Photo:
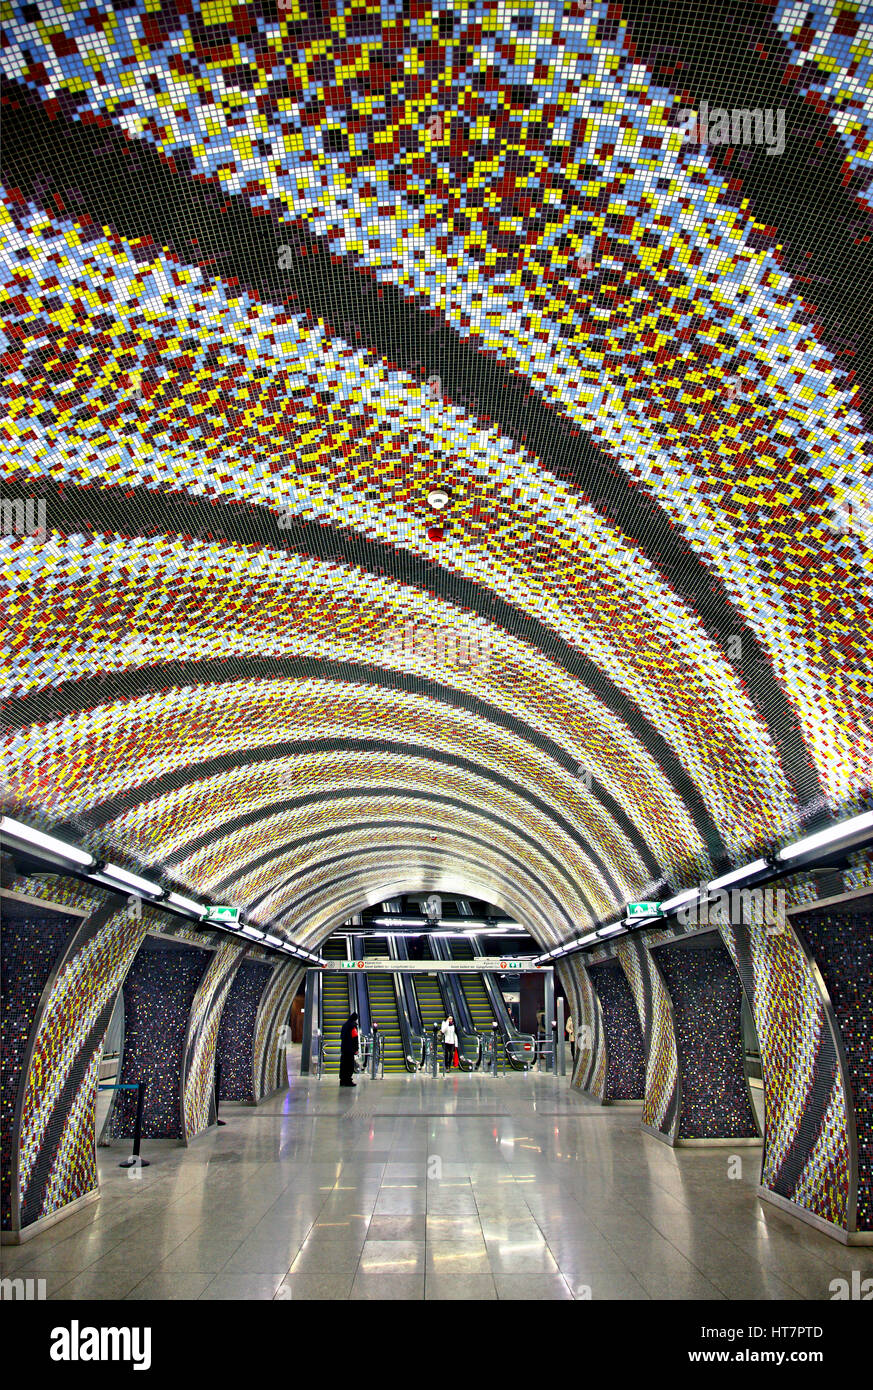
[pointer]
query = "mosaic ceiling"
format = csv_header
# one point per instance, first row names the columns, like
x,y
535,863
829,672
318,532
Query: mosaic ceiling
x,y
273,275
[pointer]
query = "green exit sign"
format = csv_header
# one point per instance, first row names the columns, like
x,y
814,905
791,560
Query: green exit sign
x,y
643,909
224,916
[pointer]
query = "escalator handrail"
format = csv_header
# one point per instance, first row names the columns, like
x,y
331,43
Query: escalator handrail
x,y
419,1041
463,1061
520,1040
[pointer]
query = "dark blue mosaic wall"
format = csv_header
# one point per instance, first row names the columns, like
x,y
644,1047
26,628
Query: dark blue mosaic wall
x,y
707,1013
158,994
236,1034
29,948
842,943
626,1054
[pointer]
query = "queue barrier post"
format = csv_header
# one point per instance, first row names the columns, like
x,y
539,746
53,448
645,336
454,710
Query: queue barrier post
x,y
139,1086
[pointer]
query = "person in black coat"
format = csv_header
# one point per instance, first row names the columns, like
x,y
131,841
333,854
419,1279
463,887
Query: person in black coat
x,y
348,1050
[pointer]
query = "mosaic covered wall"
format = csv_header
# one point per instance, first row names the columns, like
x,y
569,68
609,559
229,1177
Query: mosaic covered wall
x,y
589,1071
661,1100
841,941
56,1138
159,993
29,949
270,1067
235,1049
806,1145
198,1067
625,1050
706,999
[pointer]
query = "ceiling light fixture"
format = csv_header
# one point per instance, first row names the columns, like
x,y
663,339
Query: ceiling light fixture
x,y
832,836
756,867
28,836
688,895
185,904
129,880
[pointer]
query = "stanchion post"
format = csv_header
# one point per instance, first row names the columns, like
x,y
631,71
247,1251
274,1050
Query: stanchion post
x,y
135,1161
562,1059
217,1090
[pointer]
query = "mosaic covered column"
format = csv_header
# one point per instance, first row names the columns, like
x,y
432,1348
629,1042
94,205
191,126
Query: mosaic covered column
x,y
159,993
810,1162
840,940
661,1100
198,1072
65,978
270,1070
624,1075
589,1071
706,1007
235,1050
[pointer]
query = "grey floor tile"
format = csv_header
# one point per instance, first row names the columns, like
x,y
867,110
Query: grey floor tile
x,y
327,1286
397,1228
459,1288
392,1257
110,1284
233,1287
461,1256
525,1287
521,1258
384,1287
164,1285
333,1257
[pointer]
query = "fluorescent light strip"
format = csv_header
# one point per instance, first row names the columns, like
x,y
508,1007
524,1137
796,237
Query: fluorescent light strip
x,y
832,835
128,880
680,899
39,840
737,874
186,904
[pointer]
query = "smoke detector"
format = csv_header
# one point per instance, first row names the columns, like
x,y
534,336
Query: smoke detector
x,y
438,498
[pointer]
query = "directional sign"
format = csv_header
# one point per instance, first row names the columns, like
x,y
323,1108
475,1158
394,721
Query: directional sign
x,y
643,910
435,967
224,915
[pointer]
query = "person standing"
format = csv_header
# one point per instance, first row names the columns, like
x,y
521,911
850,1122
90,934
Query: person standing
x,y
348,1050
450,1041
570,1030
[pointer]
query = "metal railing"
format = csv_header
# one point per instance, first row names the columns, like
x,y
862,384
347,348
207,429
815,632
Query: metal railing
x,y
372,1055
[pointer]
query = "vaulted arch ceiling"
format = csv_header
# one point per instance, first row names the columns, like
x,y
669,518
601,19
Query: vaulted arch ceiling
x,y
273,275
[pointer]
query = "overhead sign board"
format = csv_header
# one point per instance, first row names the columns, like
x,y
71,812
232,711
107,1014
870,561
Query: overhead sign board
x,y
643,910
497,964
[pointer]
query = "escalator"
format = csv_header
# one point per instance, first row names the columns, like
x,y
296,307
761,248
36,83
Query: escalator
x,y
383,1007
431,1005
485,1003
334,1003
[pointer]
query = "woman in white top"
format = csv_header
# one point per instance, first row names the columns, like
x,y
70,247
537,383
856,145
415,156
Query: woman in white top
x,y
450,1041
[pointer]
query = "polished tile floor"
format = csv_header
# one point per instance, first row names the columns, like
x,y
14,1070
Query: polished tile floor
x,y
466,1187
